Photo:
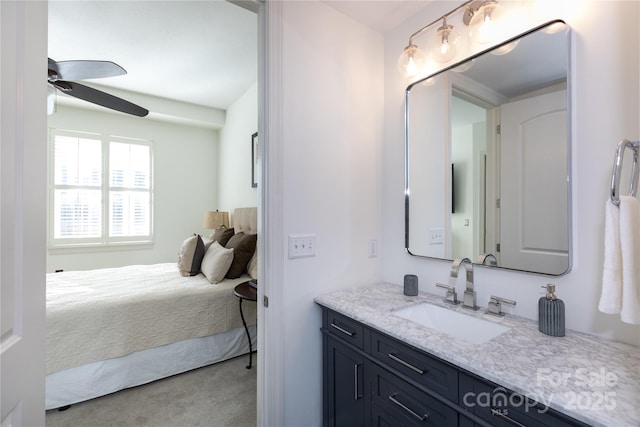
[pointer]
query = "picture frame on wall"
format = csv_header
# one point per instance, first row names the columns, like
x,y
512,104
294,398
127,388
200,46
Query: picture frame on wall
x,y
254,160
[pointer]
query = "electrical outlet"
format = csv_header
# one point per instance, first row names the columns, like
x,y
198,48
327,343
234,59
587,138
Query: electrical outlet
x,y
436,236
302,245
372,248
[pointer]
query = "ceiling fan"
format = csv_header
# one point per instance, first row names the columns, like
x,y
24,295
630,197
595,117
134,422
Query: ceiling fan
x,y
60,74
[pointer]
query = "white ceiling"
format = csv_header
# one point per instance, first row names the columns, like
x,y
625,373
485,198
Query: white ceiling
x,y
381,15
200,52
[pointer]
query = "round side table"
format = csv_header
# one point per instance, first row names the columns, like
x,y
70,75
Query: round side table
x,y
247,291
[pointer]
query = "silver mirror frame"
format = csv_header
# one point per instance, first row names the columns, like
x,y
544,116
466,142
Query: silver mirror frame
x,y
407,187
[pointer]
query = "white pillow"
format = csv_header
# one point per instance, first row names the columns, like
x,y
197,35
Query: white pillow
x,y
252,267
216,262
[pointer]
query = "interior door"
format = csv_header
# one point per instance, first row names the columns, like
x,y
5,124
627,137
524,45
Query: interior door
x,y
22,216
533,158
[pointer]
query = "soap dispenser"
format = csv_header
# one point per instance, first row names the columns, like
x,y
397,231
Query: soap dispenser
x,y
551,313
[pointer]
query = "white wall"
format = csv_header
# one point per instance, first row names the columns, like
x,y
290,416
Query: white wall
x,y
234,153
185,180
332,112
605,109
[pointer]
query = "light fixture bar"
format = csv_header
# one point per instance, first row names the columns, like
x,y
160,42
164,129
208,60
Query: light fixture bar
x,y
446,15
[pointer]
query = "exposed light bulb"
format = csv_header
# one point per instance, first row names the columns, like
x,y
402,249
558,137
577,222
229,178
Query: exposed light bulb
x,y
464,66
554,28
485,26
444,46
506,48
430,81
411,61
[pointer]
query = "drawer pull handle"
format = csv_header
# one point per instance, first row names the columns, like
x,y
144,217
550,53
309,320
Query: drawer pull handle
x,y
414,414
498,413
356,395
402,362
344,331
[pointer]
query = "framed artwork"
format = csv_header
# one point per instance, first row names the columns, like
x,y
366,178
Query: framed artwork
x,y
254,159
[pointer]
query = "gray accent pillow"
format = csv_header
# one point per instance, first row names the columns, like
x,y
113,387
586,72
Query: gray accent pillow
x,y
244,245
223,234
190,255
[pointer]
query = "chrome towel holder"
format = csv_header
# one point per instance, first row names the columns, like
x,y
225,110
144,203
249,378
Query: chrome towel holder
x,y
634,146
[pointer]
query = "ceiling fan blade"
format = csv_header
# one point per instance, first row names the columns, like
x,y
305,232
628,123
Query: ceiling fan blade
x,y
99,97
83,70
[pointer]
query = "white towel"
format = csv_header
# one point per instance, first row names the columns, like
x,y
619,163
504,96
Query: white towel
x,y
630,250
611,295
621,271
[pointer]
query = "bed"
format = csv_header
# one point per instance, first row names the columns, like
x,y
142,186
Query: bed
x,y
114,328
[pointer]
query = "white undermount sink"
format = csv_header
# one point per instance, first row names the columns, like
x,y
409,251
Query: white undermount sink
x,y
453,323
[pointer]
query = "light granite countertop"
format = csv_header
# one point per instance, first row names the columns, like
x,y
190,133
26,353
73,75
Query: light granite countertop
x,y
586,377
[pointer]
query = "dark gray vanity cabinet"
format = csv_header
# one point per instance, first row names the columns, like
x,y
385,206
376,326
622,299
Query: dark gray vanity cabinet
x,y
343,371
344,385
372,379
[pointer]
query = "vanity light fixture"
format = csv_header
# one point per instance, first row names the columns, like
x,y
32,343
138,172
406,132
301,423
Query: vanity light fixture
x,y
412,61
485,24
445,44
483,19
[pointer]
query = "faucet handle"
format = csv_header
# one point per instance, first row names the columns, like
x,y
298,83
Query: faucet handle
x,y
452,296
495,307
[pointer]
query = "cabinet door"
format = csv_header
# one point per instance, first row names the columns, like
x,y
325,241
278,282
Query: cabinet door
x,y
344,388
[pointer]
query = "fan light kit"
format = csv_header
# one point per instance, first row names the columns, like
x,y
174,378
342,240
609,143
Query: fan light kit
x,y
61,73
484,19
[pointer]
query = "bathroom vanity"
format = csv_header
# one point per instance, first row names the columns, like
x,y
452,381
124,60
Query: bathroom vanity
x,y
383,369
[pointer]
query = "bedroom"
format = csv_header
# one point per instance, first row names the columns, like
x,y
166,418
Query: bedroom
x,y
199,133
344,182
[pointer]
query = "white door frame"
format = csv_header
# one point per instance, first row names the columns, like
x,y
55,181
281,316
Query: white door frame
x,y
271,342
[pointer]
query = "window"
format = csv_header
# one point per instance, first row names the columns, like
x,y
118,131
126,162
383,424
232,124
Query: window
x,y
101,190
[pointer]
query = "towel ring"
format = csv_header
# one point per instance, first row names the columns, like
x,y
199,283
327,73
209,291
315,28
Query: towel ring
x,y
617,170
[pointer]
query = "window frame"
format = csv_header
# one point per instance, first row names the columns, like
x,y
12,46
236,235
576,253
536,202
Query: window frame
x,y
104,240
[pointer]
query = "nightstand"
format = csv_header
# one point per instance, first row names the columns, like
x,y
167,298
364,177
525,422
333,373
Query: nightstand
x,y
247,291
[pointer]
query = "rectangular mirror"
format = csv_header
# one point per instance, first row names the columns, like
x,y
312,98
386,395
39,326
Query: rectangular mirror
x,y
487,157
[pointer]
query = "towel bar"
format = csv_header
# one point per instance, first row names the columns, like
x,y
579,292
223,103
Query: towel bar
x,y
617,170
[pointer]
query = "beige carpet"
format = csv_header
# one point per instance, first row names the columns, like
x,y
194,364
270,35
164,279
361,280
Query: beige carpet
x,y
221,395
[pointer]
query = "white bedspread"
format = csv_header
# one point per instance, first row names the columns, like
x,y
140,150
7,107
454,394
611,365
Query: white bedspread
x,y
106,313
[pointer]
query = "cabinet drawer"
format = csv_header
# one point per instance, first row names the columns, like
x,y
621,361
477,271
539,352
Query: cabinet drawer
x,y
505,408
345,328
394,402
424,369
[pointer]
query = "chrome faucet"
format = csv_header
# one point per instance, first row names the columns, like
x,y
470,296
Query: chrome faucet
x,y
469,298
482,259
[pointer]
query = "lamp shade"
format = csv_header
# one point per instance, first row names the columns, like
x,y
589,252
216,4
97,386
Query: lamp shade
x,y
215,219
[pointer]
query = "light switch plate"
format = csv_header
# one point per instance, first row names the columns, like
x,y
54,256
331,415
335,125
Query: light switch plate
x,y
302,245
436,236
